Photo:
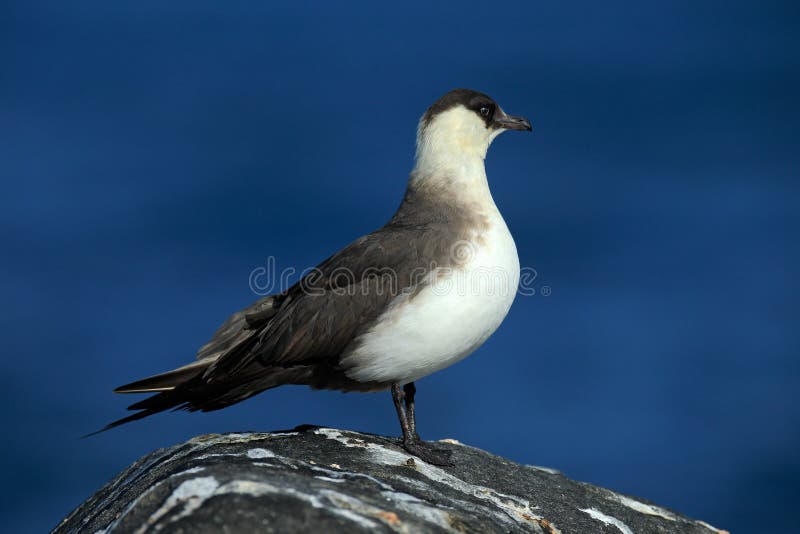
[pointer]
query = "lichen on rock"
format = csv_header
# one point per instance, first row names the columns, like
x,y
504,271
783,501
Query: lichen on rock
x,y
329,480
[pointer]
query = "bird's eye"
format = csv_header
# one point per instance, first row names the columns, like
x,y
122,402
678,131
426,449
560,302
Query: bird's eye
x,y
484,111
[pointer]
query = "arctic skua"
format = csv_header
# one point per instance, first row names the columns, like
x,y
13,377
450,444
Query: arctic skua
x,y
415,296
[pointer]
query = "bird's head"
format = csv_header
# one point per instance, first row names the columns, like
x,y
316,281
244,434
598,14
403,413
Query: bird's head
x,y
462,123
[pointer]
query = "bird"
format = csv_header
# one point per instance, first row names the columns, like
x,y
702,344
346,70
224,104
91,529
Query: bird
x,y
411,298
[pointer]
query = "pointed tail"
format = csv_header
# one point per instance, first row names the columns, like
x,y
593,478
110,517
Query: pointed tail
x,y
187,388
166,385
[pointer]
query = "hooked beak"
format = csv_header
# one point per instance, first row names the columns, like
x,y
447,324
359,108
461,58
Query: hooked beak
x,y
510,122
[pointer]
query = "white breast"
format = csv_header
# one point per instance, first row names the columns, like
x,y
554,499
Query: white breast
x,y
455,312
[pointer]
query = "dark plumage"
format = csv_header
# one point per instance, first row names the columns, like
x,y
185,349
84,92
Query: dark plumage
x,y
472,100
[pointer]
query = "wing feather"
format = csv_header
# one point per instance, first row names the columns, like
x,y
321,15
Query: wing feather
x,y
317,318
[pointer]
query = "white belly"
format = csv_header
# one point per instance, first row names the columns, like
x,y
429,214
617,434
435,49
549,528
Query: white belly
x,y
447,320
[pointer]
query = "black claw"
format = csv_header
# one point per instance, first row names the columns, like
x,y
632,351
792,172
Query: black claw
x,y
428,453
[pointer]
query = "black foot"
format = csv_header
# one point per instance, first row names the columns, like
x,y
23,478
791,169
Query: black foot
x,y
428,453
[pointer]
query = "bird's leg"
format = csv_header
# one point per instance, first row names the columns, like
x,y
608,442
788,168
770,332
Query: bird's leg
x,y
410,390
411,442
398,396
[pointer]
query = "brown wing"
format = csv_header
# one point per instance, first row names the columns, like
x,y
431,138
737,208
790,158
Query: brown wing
x,y
297,337
316,319
238,327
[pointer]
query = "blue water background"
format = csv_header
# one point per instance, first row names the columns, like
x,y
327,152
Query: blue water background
x,y
153,154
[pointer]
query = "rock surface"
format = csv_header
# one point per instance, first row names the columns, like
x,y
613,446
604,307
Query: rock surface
x,y
327,480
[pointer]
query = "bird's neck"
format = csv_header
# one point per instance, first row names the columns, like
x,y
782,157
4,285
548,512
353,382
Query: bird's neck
x,y
448,170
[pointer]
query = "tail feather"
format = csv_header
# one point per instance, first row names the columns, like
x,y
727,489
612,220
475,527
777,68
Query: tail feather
x,y
167,381
186,388
169,388
155,404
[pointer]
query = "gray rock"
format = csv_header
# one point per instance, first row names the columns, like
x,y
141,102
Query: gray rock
x,y
326,480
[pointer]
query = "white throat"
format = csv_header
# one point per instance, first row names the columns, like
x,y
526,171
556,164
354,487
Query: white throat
x,y
450,154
